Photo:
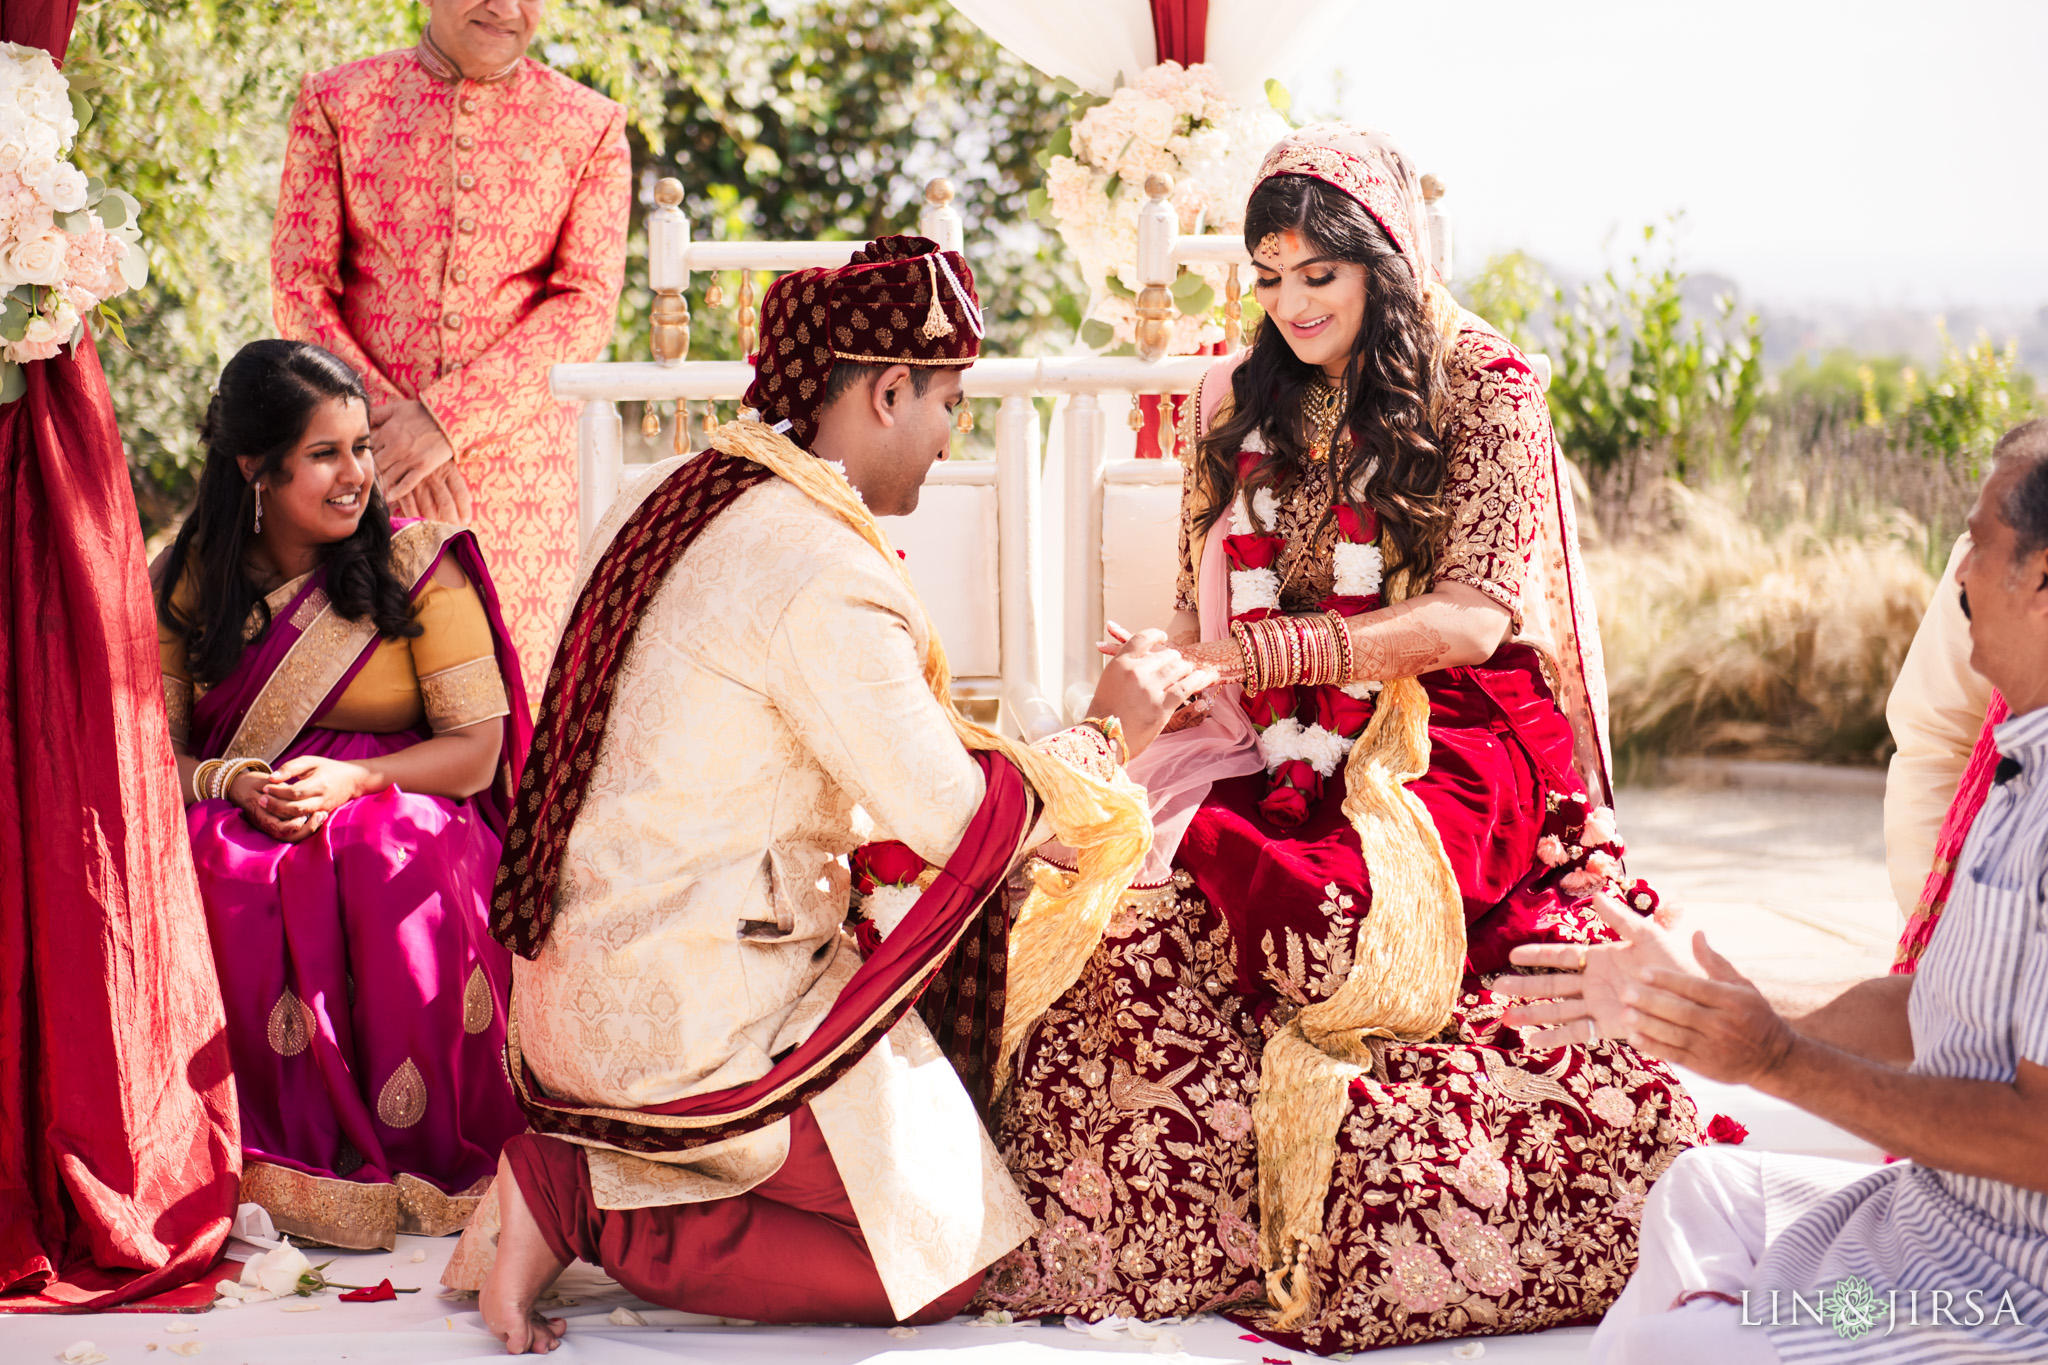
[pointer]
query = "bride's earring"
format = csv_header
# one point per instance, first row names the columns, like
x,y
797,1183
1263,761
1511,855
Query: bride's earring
x,y
259,507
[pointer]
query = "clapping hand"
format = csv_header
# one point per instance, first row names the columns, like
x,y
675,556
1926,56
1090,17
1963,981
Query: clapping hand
x,y
1717,1023
1583,1001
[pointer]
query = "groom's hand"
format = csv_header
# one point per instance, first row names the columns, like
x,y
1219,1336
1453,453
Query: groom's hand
x,y
1144,684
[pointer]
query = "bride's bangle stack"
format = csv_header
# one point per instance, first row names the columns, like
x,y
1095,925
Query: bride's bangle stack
x,y
1295,651
213,779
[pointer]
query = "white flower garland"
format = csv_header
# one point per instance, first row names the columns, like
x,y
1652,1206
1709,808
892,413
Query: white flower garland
x,y
1360,569
886,906
1287,740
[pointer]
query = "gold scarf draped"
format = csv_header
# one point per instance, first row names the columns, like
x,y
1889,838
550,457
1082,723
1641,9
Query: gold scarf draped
x,y
1107,823
1405,970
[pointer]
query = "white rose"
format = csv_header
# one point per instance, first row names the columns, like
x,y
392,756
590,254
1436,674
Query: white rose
x,y
66,190
13,151
276,1271
42,139
39,260
40,329
1153,121
37,168
67,321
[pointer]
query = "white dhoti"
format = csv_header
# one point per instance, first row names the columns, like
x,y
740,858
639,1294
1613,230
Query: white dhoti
x,y
1705,1228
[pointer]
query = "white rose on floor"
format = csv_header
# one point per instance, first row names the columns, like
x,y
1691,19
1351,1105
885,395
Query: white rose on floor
x,y
39,260
66,191
276,1271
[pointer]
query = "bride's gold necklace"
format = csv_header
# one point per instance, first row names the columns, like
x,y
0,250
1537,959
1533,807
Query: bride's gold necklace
x,y
1323,408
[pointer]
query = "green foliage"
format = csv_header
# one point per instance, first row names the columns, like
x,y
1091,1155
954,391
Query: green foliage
x,y
1633,370
783,118
1974,396
1511,292
826,118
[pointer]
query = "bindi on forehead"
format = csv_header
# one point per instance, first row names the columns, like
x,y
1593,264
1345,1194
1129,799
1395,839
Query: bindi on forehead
x,y
1274,246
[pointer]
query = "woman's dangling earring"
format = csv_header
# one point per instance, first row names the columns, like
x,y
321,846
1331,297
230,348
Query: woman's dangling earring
x,y
259,507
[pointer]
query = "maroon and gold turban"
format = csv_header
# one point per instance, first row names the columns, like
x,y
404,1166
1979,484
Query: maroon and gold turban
x,y
899,301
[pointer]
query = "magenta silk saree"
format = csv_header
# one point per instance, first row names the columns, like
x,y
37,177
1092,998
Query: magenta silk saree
x,y
365,996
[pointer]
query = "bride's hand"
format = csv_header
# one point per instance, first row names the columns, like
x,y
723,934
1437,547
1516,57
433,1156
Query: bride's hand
x,y
1222,657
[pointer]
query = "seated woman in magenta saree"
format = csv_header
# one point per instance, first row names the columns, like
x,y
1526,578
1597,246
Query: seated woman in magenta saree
x,y
1282,1087
348,776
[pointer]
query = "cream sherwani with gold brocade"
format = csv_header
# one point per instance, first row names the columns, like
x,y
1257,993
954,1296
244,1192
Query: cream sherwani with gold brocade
x,y
770,715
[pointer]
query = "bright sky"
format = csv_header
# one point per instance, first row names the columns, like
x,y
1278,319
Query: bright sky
x,y
1878,153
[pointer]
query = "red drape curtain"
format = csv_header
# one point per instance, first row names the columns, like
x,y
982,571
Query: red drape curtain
x,y
119,1153
1181,30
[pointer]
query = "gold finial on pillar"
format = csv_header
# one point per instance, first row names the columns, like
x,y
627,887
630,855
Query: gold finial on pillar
x,y
668,239
748,314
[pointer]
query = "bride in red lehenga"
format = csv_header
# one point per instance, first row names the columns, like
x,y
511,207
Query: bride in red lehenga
x,y
1281,1086
119,1156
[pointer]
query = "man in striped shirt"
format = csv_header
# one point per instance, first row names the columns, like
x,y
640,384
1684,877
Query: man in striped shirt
x,y
1941,1255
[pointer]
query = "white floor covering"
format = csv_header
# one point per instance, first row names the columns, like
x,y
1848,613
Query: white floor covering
x,y
427,1327
1788,882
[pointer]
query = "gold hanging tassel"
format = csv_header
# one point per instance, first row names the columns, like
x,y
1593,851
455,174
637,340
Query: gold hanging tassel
x,y
682,443
650,420
965,421
936,324
710,418
1137,418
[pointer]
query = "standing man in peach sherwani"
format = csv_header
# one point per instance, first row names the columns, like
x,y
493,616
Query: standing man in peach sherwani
x,y
452,222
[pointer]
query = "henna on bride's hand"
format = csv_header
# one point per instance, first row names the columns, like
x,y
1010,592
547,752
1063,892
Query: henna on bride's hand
x,y
1402,647
1224,656
1191,714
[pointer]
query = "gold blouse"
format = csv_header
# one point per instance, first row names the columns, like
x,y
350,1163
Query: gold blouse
x,y
447,675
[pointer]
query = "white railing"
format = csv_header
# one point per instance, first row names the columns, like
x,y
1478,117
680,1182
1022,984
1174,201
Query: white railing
x,y
1009,554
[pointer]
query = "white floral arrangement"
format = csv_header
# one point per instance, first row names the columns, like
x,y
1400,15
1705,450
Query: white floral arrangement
x,y
68,244
1173,119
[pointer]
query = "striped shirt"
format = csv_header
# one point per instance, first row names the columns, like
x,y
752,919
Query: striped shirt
x,y
1979,1006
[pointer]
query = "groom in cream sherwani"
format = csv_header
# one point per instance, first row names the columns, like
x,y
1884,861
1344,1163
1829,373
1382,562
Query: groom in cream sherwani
x,y
676,891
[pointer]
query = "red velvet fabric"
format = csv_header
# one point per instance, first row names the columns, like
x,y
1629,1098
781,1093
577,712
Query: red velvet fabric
x,y
118,1143
788,1250
1497,743
1181,30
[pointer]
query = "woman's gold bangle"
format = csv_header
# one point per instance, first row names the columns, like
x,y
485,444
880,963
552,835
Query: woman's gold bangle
x,y
202,775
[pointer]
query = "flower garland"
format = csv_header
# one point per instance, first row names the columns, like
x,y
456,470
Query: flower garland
x,y
886,876
1581,850
1171,119
1305,733
67,243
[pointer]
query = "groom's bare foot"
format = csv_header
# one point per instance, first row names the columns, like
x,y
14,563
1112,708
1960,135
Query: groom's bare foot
x,y
523,1270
